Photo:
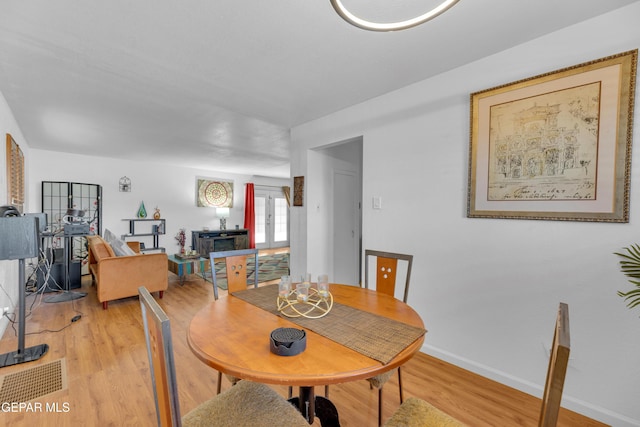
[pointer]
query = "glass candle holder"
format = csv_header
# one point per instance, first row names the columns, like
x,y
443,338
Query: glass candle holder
x,y
323,285
302,289
284,287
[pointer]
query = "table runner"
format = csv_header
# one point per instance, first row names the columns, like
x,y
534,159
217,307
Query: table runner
x,y
375,336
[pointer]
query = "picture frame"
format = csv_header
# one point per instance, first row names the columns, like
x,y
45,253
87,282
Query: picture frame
x,y
214,193
556,146
298,190
15,174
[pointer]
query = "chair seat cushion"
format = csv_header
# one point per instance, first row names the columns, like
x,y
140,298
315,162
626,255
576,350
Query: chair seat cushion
x,y
246,403
416,412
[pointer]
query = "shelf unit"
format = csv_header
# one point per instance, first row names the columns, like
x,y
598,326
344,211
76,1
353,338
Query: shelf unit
x,y
158,228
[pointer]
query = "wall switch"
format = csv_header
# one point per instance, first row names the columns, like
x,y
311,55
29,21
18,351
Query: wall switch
x,y
377,202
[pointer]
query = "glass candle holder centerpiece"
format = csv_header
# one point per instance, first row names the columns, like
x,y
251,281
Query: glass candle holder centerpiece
x,y
303,300
284,287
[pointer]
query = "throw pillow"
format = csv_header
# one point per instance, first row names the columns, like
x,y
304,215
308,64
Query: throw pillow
x,y
119,246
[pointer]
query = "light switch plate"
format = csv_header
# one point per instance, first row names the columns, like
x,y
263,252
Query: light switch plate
x,y
377,202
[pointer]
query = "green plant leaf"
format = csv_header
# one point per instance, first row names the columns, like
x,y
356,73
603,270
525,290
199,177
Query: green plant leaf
x,y
630,266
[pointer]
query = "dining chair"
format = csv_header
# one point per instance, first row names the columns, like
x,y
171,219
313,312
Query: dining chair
x,y
247,403
236,271
416,412
558,363
386,267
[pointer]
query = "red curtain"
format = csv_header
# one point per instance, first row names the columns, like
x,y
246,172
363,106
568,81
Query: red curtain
x,y
250,214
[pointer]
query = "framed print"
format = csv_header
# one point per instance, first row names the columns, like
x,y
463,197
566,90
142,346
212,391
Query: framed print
x,y
298,190
15,174
555,146
214,193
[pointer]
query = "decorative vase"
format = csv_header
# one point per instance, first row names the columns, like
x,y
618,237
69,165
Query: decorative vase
x,y
156,214
142,212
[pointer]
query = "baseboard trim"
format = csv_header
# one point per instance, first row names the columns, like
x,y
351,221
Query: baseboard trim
x,y
585,408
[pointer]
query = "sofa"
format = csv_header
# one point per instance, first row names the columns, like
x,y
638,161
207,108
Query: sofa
x,y
120,276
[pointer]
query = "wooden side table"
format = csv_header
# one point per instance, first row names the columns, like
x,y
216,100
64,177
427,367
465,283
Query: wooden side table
x,y
183,267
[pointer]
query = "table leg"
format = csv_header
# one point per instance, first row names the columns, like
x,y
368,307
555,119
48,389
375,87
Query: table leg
x,y
311,406
203,269
184,269
181,273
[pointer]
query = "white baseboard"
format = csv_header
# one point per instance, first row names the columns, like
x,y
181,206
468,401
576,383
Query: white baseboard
x,y
585,408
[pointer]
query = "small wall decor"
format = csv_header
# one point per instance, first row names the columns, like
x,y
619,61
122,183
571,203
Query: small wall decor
x,y
214,193
298,190
125,184
15,174
555,146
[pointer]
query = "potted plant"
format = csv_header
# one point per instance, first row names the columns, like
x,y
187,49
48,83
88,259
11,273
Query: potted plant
x,y
630,266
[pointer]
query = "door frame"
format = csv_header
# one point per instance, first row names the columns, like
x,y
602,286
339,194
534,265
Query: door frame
x,y
262,190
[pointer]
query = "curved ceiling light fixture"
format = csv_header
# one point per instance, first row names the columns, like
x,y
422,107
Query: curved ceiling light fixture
x,y
391,26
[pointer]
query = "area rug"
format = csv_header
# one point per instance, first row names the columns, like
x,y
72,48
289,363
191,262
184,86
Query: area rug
x,y
270,267
33,383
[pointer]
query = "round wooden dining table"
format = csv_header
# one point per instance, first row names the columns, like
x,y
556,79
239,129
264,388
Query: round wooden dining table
x,y
233,337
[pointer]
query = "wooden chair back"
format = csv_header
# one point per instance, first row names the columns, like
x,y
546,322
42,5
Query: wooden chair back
x,y
236,265
558,362
160,352
386,271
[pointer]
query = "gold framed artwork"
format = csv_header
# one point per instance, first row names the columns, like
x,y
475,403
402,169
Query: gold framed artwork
x,y
15,174
556,146
214,193
298,190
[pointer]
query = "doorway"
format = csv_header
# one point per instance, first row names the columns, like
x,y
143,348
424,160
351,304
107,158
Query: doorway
x,y
337,171
272,218
346,228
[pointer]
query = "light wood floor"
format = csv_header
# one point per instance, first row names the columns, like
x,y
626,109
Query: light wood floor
x,y
109,382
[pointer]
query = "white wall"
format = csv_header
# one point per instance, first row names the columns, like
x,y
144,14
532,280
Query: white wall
x,y
172,189
9,269
488,289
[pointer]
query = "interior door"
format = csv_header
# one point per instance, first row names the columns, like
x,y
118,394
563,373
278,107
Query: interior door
x,y
272,218
346,239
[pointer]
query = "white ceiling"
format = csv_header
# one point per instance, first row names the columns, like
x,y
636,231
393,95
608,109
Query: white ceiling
x,y
217,84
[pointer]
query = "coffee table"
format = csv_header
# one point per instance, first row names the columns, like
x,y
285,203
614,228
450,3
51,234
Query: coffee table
x,y
183,267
